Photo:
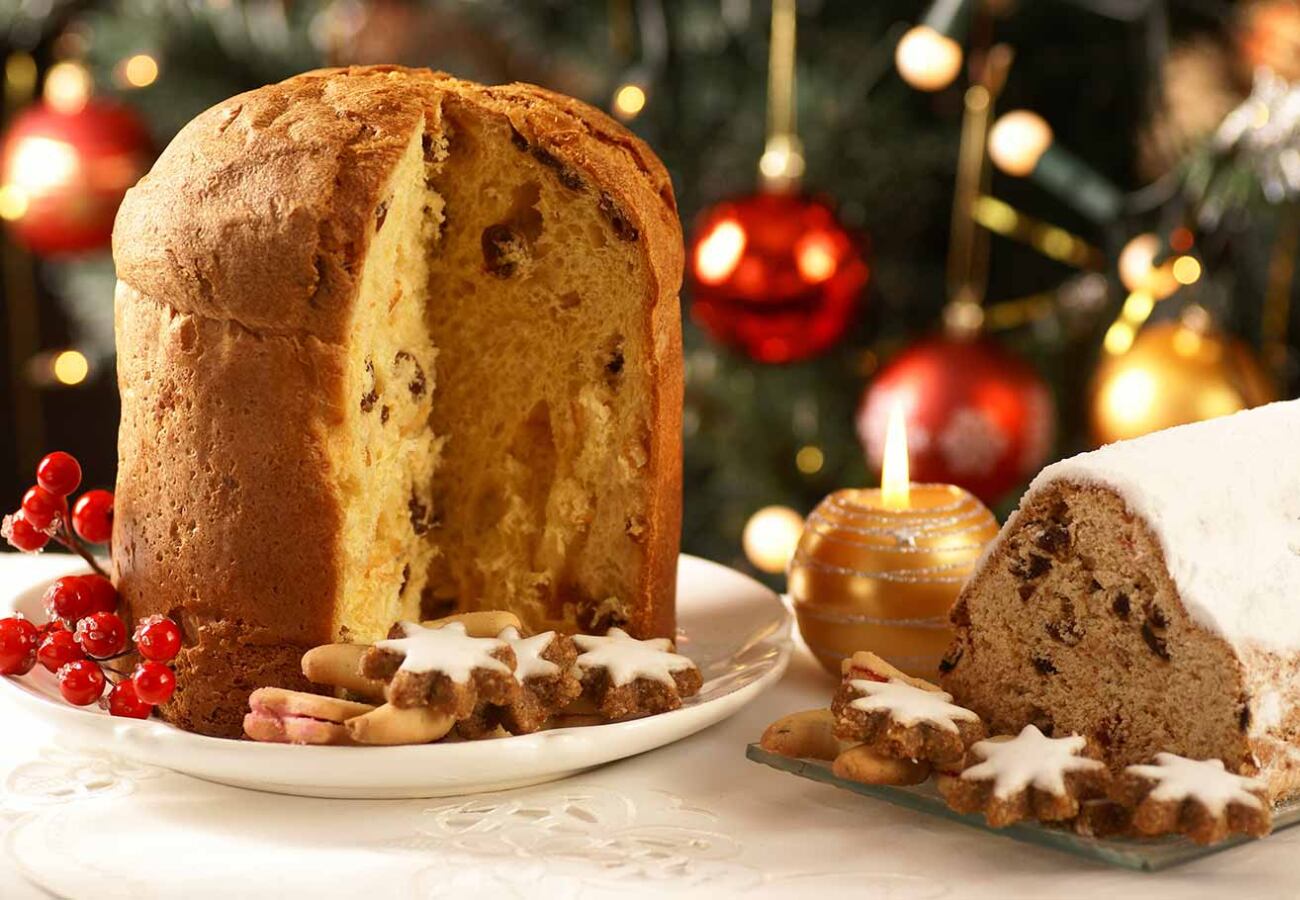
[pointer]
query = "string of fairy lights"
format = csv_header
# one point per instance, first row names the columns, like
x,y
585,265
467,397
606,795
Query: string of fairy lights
x,y
1150,267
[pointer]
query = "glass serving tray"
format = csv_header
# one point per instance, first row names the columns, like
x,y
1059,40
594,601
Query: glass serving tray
x,y
1149,855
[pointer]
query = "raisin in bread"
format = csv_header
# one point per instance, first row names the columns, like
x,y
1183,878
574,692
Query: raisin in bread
x,y
1144,595
392,345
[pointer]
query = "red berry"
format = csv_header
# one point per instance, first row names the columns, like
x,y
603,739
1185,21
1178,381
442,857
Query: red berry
x,y
59,473
23,534
92,516
100,593
123,701
81,682
17,646
67,598
102,634
154,682
158,638
49,628
40,507
57,649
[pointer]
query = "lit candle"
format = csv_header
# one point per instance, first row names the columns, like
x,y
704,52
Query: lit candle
x,y
895,473
879,568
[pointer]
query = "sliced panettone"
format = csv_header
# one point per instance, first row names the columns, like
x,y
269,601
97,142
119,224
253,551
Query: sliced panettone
x,y
393,345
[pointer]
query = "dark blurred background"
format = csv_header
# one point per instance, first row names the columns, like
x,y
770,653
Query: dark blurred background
x,y
781,344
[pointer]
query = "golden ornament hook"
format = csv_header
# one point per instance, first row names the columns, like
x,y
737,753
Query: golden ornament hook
x,y
782,164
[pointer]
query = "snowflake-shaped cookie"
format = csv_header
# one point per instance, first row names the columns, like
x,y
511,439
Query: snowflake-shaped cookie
x,y
547,684
442,668
625,677
1026,776
898,719
1199,798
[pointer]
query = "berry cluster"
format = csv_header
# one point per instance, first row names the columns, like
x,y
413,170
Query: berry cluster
x,y
44,515
84,629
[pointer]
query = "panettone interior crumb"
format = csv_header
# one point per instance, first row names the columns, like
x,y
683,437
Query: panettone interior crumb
x,y
500,423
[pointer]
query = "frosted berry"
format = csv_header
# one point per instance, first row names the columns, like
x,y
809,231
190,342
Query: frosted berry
x,y
92,516
158,638
49,628
102,634
17,646
123,701
154,682
67,598
40,507
81,682
59,473
23,534
57,649
101,596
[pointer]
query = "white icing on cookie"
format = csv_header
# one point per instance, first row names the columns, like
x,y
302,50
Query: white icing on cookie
x,y
528,653
448,650
1029,758
909,705
627,659
1204,780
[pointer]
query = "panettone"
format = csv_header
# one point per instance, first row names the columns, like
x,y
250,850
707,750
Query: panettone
x,y
390,345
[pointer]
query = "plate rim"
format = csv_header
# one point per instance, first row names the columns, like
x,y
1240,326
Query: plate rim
x,y
153,741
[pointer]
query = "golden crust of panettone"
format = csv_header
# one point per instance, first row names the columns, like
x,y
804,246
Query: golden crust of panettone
x,y
238,258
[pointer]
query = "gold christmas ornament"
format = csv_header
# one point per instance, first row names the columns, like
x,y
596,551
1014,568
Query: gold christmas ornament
x,y
878,569
1175,373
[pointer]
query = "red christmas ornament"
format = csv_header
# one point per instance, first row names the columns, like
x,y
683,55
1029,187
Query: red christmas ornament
x,y
977,415
63,174
775,276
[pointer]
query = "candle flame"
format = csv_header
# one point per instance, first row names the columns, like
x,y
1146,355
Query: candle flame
x,y
895,479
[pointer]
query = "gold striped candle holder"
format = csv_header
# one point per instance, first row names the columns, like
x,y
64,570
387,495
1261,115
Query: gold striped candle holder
x,y
869,578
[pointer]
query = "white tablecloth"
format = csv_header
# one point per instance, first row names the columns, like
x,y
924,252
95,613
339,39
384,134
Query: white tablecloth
x,y
695,819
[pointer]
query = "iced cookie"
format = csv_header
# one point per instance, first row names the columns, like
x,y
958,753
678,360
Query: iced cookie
x,y
443,668
1029,776
625,678
1198,798
544,668
1102,818
896,718
295,717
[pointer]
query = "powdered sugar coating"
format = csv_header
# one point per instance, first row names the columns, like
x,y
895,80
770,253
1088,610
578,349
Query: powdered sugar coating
x,y
626,659
1223,499
528,653
909,705
1204,780
1030,759
448,650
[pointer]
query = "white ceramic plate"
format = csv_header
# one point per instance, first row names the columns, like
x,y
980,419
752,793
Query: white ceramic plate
x,y
736,630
